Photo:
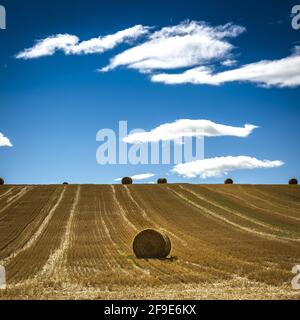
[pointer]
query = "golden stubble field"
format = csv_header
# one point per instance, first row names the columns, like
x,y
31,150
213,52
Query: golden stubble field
x,y
75,241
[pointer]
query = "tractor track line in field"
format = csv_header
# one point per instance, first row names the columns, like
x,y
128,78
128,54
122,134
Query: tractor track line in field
x,y
242,216
123,211
15,198
7,192
124,217
146,217
152,264
75,242
38,233
263,197
233,224
274,197
255,206
56,259
118,250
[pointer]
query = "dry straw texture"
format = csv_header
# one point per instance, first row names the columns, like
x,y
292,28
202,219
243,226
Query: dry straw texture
x,y
162,180
151,244
127,180
228,241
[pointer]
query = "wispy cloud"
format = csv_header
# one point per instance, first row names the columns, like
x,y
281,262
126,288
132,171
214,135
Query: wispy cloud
x,y
4,141
187,127
219,166
229,62
269,73
196,47
70,44
184,45
48,46
142,176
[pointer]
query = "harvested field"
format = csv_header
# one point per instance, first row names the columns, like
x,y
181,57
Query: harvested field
x,y
75,241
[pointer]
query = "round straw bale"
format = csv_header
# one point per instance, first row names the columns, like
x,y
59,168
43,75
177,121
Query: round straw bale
x,y
127,180
151,244
1,181
228,181
293,181
162,180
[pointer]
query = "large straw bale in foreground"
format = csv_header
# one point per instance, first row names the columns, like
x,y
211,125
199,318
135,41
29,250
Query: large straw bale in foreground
x,y
151,244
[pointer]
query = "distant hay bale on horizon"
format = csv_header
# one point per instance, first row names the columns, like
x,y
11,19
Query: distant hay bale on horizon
x,y
293,181
162,180
151,244
127,180
1,181
228,181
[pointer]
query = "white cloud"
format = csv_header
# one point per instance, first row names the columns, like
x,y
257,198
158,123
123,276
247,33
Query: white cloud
x,y
184,45
101,44
187,127
142,176
48,46
4,141
229,62
269,73
70,44
219,166
194,45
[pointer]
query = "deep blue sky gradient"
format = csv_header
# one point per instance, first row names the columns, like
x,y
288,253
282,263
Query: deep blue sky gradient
x,y
51,108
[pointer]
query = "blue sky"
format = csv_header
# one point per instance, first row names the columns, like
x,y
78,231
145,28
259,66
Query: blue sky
x,y
51,107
